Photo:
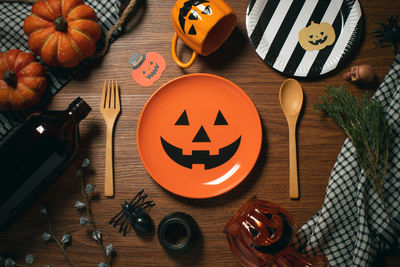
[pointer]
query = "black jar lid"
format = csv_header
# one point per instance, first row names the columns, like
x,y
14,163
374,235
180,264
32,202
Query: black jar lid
x,y
177,232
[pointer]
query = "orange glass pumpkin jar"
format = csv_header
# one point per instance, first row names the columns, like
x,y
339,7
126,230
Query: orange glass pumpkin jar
x,y
260,234
22,80
62,32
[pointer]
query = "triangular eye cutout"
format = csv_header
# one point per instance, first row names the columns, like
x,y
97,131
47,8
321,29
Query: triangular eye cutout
x,y
269,215
192,31
183,119
220,120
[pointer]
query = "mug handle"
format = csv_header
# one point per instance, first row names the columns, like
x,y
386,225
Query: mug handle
x,y
175,57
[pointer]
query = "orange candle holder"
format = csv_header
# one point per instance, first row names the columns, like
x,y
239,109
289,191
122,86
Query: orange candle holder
x,y
260,234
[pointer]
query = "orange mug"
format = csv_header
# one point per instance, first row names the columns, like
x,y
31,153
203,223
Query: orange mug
x,y
203,25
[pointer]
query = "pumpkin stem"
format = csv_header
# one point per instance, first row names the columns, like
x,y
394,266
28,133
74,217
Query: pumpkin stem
x,y
61,24
10,77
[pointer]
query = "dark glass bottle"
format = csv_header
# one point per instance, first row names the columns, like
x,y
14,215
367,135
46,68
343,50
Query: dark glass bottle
x,y
35,154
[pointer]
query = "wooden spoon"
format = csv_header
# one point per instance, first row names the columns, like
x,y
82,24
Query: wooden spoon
x,y
291,99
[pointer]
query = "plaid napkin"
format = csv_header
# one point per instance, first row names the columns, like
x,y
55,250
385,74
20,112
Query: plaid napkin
x,y
352,226
12,16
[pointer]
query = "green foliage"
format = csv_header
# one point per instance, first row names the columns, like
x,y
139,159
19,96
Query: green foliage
x,y
363,121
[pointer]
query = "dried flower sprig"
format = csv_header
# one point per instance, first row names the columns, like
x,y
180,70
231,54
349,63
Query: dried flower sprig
x,y
29,259
83,221
9,262
110,250
86,190
363,121
79,205
66,239
51,235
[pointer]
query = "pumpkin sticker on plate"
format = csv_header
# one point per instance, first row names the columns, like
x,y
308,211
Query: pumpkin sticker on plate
x,y
147,68
317,36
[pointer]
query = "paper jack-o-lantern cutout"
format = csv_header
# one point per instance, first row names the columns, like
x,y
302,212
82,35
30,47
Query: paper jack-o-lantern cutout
x,y
147,68
260,234
317,36
199,135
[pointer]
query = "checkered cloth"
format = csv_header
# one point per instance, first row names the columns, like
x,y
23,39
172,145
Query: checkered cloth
x,y
352,227
12,16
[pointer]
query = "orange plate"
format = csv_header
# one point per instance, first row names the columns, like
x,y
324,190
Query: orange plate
x,y
199,135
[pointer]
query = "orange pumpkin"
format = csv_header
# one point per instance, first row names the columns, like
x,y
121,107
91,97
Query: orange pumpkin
x,y
62,32
22,80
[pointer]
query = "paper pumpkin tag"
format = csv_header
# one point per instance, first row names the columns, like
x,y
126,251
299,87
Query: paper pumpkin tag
x,y
317,36
147,68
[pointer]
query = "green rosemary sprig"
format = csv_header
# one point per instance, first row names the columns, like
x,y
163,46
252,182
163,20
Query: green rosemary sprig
x,y
363,121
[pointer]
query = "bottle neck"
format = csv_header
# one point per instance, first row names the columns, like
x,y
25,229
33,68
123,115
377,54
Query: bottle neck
x,y
78,110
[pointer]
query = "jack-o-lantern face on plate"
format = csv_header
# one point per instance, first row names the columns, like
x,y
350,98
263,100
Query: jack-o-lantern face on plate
x,y
201,156
317,36
199,135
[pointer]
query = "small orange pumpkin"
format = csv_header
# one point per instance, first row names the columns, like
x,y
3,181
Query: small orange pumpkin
x,y
22,80
62,32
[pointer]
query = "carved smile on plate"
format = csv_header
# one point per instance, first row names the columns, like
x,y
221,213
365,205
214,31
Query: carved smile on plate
x,y
201,156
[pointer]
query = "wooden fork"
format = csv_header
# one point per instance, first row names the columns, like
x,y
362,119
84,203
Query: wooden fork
x,y
110,108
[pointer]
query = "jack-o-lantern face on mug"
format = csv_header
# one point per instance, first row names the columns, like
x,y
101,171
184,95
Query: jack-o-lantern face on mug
x,y
317,36
198,133
192,13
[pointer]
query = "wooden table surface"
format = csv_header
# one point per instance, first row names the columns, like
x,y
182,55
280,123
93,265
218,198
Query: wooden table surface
x,y
319,141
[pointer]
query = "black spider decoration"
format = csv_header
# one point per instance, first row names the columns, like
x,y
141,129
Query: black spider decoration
x,y
388,32
133,213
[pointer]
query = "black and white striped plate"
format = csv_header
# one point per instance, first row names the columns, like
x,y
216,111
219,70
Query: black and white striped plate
x,y
273,27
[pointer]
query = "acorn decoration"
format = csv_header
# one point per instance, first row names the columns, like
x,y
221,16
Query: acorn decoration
x,y
361,73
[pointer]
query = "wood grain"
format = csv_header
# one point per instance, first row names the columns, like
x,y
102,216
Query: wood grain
x,y
319,141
